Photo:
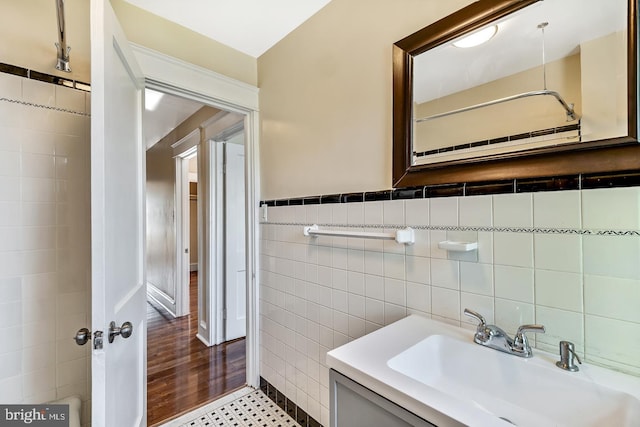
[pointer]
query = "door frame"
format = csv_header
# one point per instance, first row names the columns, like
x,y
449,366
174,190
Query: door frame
x,y
183,224
217,151
176,77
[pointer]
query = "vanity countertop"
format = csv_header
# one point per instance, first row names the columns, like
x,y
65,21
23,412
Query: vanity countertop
x,y
367,361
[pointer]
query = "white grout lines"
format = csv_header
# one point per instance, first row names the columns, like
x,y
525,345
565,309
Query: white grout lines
x,y
244,408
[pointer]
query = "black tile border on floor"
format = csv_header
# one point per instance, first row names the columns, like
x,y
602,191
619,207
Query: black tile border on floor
x,y
513,186
288,405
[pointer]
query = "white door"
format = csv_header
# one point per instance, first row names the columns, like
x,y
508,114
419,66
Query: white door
x,y
117,225
235,251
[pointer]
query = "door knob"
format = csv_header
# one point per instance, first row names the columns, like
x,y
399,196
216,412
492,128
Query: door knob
x,y
125,330
82,336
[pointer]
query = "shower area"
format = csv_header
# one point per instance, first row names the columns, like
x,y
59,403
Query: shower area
x,y
45,230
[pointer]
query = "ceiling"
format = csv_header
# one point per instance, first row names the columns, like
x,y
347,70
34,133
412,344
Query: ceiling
x,y
250,26
169,113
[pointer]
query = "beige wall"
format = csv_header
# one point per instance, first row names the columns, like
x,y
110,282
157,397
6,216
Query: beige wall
x,y
28,31
603,61
161,227
325,97
175,40
160,209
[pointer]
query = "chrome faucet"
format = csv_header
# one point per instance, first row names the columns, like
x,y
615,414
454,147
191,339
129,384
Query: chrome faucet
x,y
494,337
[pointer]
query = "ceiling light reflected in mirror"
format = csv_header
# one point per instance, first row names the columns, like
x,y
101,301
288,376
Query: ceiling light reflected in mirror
x,y
477,38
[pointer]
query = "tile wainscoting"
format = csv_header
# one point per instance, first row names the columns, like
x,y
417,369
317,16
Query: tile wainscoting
x,y
564,259
44,237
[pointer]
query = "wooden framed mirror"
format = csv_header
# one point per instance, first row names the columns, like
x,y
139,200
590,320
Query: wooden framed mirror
x,y
554,92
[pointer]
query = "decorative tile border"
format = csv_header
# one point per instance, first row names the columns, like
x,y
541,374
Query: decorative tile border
x,y
512,186
287,405
533,230
46,107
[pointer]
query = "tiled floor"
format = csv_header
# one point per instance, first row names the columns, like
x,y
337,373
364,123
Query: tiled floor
x,y
244,408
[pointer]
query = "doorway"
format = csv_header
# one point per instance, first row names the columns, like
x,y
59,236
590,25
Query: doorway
x,y
186,368
118,297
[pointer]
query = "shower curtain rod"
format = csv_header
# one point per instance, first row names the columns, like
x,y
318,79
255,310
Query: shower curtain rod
x,y
571,114
63,50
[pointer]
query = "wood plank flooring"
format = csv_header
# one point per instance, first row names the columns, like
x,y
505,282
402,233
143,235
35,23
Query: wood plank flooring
x,y
182,372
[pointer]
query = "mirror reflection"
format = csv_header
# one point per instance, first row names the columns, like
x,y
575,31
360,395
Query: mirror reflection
x,y
552,73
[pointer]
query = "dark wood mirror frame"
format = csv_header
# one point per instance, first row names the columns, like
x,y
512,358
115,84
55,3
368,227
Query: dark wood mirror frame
x,y
609,155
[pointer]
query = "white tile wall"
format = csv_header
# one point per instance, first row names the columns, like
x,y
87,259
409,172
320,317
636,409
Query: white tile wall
x,y
558,252
513,249
620,206
476,211
557,209
584,289
44,242
513,210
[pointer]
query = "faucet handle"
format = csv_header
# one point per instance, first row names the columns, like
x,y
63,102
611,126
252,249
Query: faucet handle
x,y
520,341
529,328
477,316
482,332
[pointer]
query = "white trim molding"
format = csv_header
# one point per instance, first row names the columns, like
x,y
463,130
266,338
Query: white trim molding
x,y
189,78
184,145
176,77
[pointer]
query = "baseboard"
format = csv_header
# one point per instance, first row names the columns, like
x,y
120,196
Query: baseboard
x,y
161,298
193,266
289,406
204,340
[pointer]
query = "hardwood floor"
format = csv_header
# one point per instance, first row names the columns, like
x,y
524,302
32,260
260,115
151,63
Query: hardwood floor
x,y
182,372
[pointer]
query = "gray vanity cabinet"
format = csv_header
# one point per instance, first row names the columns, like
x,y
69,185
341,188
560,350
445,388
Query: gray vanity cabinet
x,y
353,405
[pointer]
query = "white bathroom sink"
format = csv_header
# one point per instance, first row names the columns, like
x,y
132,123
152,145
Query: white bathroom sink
x,y
437,372
511,388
